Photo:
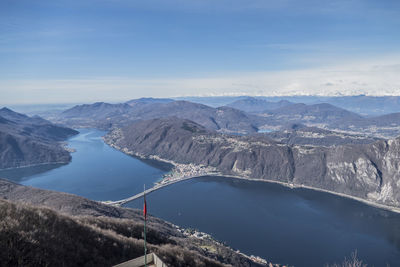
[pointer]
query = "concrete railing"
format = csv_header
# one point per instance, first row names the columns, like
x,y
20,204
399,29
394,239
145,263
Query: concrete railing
x,y
152,260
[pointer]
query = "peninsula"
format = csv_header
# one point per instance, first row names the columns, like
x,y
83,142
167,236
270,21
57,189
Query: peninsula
x,y
365,171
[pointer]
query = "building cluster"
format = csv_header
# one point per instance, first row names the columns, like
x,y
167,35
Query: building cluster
x,y
182,171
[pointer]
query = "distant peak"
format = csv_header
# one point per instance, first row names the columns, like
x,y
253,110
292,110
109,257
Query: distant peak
x,y
5,109
148,100
98,103
9,112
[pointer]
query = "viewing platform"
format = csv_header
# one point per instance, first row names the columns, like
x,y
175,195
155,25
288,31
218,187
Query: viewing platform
x,y
152,261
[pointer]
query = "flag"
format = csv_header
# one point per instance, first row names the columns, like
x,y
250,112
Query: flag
x,y
144,208
144,225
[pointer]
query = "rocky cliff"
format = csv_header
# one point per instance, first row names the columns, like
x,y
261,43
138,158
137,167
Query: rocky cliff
x,y
366,171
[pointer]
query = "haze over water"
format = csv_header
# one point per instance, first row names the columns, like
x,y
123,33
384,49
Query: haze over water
x,y
295,226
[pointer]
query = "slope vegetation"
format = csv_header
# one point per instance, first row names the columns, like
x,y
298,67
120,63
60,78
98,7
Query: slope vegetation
x,y
48,228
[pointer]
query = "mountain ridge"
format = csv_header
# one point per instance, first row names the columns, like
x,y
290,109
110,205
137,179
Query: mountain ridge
x,y
117,115
255,105
230,119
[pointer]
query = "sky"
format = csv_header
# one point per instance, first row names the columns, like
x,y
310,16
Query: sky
x,y
65,51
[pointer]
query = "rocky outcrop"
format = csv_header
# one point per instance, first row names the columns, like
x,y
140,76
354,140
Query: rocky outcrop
x,y
367,171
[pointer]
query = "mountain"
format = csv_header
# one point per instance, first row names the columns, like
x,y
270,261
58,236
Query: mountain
x,y
365,171
368,105
97,110
21,118
330,117
98,115
26,141
107,116
299,134
48,228
255,105
317,113
228,119
361,104
392,119
386,126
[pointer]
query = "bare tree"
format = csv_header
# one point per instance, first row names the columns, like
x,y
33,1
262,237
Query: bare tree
x,y
352,262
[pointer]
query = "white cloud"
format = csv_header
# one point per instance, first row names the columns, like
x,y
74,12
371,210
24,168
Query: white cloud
x,y
374,77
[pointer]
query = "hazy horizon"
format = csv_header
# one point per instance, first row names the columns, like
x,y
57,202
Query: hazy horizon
x,y
276,98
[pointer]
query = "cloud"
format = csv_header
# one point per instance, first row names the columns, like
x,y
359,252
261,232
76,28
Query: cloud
x,y
374,77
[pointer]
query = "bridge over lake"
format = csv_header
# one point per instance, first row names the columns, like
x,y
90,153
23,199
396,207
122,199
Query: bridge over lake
x,y
148,191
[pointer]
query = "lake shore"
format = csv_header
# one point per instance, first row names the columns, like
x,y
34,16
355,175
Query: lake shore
x,y
294,186
290,185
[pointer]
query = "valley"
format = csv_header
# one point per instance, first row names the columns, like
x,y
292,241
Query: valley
x,y
200,133
264,219
196,143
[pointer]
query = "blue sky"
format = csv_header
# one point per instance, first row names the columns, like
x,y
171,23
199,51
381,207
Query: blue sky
x,y
112,50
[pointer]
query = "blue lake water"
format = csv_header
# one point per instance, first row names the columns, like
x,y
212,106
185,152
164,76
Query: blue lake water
x,y
295,226
97,171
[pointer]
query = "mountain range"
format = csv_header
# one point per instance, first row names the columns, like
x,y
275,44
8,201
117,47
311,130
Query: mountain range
x,y
323,115
244,116
107,116
363,104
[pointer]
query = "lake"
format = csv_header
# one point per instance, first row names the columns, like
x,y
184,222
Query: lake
x,y
97,171
299,227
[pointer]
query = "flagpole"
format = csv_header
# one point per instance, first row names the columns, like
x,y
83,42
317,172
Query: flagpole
x,y
144,213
